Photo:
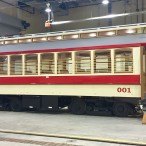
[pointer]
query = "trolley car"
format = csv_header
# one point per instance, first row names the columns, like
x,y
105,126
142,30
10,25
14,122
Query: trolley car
x,y
90,70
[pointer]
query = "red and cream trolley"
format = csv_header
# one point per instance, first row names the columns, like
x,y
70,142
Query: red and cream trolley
x,y
92,70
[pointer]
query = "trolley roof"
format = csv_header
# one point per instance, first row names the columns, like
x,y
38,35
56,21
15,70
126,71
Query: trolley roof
x,y
139,28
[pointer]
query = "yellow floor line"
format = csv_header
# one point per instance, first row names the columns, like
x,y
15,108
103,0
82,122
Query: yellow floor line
x,y
96,139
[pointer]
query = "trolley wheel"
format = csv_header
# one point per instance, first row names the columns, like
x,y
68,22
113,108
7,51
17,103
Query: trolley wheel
x,y
16,105
122,109
90,108
6,107
78,106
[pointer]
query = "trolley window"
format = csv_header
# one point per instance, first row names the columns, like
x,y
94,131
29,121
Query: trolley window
x,y
102,62
31,64
83,62
123,61
16,65
64,63
3,65
47,63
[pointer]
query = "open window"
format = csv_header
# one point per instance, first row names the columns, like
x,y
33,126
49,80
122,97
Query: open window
x,y
47,63
83,62
64,63
102,62
16,65
123,61
3,65
31,64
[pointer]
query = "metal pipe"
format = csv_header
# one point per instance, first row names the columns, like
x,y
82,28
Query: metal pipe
x,y
142,7
137,10
110,12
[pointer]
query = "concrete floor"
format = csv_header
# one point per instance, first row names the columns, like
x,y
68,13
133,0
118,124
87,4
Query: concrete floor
x,y
127,129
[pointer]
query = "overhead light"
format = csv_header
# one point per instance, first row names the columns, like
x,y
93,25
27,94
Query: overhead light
x,y
93,18
108,16
60,22
105,2
48,10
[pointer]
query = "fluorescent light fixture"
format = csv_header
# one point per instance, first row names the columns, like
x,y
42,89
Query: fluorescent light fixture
x,y
105,2
108,16
48,10
60,22
88,19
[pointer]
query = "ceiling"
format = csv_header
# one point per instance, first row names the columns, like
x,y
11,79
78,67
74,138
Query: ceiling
x,y
31,6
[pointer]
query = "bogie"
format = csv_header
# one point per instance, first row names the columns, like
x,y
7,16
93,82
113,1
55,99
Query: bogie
x,y
88,74
76,105
122,109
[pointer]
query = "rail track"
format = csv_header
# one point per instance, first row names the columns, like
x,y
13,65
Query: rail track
x,y
95,139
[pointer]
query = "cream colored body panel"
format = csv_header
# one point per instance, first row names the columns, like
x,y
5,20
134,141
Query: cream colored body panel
x,y
137,60
73,90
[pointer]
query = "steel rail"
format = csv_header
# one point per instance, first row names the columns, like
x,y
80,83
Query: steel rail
x,y
76,137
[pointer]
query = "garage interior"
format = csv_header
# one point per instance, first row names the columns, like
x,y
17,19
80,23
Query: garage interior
x,y
28,17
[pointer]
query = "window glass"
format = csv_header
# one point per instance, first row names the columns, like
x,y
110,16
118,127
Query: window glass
x,y
16,65
123,61
102,62
3,65
47,63
31,64
83,62
64,63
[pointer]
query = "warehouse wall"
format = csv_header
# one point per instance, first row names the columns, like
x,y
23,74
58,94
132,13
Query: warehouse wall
x,y
37,20
9,25
6,30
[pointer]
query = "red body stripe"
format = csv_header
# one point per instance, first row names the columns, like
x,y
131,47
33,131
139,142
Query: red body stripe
x,y
104,79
